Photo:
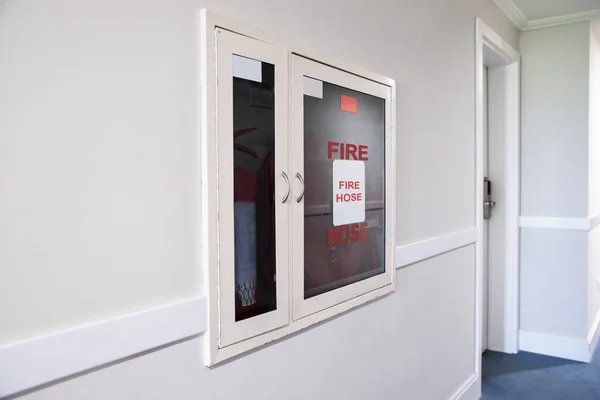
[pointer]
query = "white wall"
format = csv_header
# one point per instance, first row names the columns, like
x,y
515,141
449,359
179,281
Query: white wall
x,y
553,296
593,278
554,137
594,120
355,357
98,175
560,161
594,174
97,161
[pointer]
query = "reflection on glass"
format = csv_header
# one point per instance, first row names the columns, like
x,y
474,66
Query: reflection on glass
x,y
254,187
342,124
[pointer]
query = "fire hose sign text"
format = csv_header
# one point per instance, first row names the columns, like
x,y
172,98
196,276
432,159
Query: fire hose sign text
x,y
348,192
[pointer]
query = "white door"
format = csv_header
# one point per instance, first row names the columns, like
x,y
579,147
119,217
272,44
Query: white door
x,y
485,271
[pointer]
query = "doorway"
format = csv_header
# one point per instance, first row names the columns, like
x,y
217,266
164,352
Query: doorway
x,y
497,192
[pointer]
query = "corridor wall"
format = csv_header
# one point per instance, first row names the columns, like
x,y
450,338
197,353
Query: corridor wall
x,y
100,174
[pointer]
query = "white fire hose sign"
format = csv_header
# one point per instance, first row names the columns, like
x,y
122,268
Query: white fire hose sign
x,y
348,192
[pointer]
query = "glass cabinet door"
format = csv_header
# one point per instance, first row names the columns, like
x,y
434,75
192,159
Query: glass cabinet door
x,y
253,187
339,132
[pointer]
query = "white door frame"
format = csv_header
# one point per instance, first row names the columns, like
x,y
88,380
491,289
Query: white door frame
x,y
503,314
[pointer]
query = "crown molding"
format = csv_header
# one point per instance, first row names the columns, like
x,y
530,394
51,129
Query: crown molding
x,y
513,13
563,19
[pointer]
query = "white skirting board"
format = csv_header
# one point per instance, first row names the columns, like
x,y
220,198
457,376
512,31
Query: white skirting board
x,y
594,334
40,360
555,346
470,390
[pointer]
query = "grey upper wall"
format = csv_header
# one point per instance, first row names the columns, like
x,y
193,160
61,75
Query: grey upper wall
x,y
554,118
594,121
99,168
99,176
594,175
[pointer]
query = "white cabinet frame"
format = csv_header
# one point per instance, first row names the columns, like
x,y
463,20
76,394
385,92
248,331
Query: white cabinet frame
x,y
228,45
239,340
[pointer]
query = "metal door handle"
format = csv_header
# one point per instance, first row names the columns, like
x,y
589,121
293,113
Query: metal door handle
x,y
299,199
287,195
487,208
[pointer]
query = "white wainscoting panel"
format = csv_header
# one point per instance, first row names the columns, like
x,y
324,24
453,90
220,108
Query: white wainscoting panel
x,y
40,360
36,361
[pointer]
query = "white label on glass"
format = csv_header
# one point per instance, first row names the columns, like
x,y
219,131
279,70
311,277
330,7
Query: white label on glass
x,y
313,87
247,68
348,192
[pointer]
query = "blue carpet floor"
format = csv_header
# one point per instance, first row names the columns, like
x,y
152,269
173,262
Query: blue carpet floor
x,y
527,376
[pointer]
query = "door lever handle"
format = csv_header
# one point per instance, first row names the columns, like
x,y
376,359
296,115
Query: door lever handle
x,y
287,195
487,208
299,199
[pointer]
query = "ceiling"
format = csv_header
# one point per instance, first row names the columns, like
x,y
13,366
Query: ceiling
x,y
532,14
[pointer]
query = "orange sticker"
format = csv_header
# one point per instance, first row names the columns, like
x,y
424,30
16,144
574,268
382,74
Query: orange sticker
x,y
349,104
